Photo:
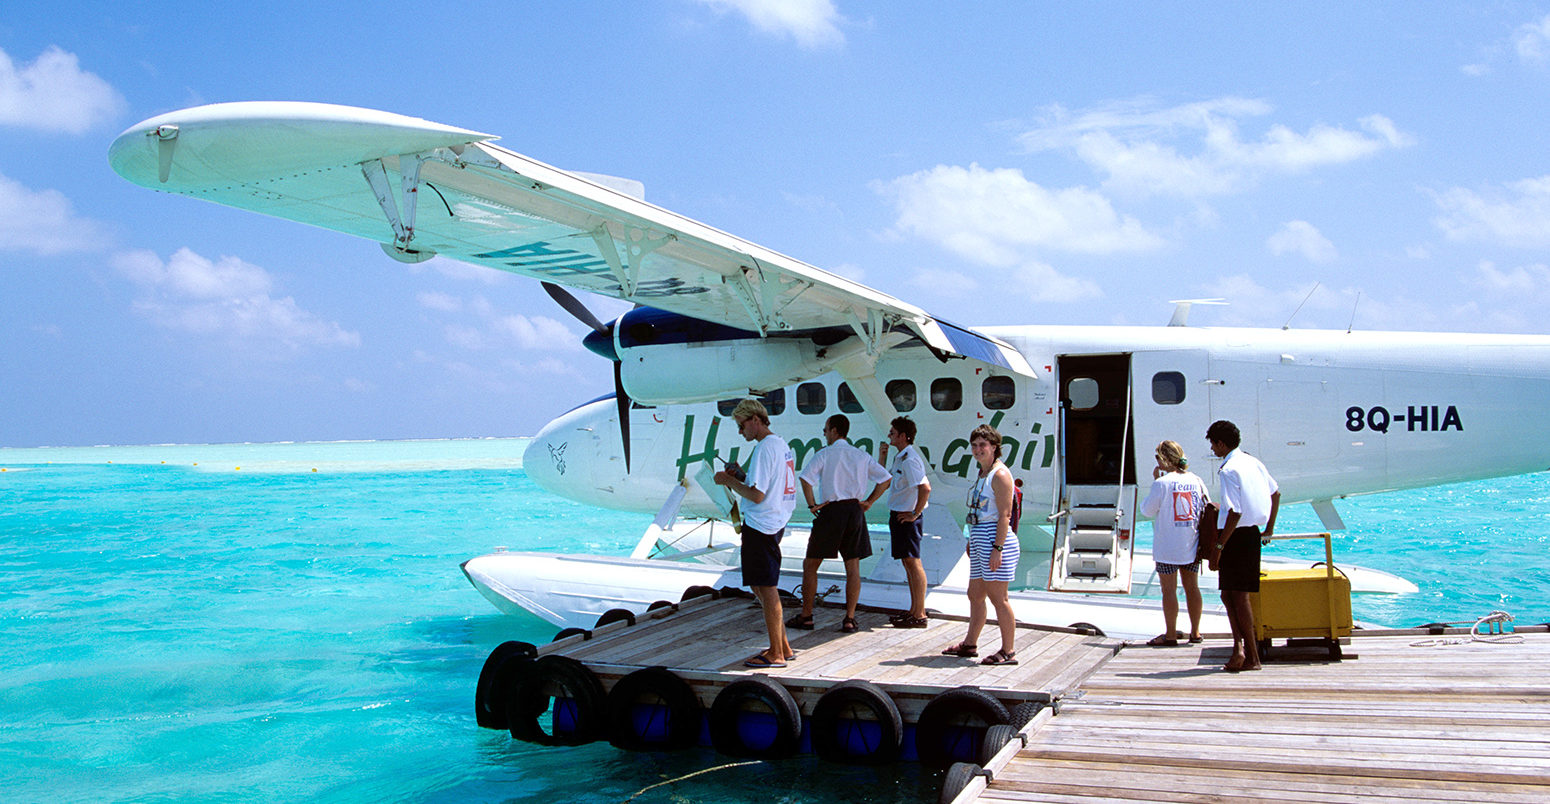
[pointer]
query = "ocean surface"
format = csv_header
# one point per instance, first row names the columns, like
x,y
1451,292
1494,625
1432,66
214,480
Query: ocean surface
x,y
287,622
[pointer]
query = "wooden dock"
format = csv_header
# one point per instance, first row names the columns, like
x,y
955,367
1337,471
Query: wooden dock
x,y
1407,716
707,644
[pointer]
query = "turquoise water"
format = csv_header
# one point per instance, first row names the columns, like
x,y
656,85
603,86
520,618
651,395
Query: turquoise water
x,y
287,622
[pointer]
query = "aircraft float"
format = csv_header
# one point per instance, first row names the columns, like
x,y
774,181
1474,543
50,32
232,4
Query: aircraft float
x,y
719,318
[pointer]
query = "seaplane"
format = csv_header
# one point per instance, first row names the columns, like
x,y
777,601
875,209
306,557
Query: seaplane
x,y
718,318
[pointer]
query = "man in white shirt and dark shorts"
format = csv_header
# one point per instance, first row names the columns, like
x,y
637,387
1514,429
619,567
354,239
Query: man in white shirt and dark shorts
x,y
907,494
771,492
842,473
1250,501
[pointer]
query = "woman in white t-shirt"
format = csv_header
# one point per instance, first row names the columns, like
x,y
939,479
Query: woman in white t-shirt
x,y
1179,495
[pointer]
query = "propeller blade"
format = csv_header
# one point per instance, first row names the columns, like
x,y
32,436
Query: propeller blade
x,y
623,401
573,306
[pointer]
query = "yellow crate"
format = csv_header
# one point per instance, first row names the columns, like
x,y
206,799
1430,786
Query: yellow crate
x,y
1302,603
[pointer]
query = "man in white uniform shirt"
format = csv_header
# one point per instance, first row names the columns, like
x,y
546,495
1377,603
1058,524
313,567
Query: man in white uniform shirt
x,y
908,491
1250,501
771,492
842,473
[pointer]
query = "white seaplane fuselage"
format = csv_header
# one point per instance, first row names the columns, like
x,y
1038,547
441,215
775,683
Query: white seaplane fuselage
x,y
1330,413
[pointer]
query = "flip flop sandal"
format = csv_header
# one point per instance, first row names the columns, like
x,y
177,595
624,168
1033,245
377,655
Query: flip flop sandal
x,y
962,651
759,662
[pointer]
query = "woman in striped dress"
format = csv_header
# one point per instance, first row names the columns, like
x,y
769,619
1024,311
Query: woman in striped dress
x,y
993,549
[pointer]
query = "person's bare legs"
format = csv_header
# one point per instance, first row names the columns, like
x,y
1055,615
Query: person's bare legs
x,y
976,612
809,585
1170,601
852,585
1192,600
1005,618
774,623
915,573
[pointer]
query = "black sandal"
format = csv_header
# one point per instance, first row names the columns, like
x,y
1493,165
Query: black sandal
x,y
798,621
849,626
1000,657
962,651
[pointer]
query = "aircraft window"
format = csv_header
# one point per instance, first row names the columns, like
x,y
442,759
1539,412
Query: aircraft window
x,y
998,392
726,406
1167,388
902,394
946,393
848,401
810,398
1083,393
774,401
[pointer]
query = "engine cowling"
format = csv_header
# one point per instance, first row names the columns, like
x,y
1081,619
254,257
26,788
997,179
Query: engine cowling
x,y
669,359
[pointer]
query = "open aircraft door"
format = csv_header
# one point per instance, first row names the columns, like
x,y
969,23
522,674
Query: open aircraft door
x,y
1096,490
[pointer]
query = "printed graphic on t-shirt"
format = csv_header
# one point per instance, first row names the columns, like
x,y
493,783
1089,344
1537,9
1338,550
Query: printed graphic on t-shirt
x,y
1183,506
791,478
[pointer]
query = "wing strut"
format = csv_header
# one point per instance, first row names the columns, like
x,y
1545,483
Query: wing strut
x,y
403,225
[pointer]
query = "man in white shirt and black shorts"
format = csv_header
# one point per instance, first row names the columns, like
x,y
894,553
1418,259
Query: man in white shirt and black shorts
x,y
908,491
1250,501
842,473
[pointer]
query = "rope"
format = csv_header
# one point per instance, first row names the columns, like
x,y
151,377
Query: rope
x,y
648,788
1495,633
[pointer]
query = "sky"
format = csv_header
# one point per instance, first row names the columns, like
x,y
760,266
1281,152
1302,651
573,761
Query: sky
x,y
1377,165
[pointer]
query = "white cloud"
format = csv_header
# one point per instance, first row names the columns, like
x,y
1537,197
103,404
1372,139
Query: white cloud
x,y
54,94
225,298
43,222
996,217
1518,283
537,332
1518,217
440,302
1532,41
1300,237
1195,150
1042,283
812,23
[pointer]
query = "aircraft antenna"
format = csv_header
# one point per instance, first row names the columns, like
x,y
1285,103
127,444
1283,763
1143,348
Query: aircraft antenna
x,y
1288,324
1353,313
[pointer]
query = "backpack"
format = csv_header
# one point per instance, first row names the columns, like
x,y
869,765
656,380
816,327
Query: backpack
x,y
1017,504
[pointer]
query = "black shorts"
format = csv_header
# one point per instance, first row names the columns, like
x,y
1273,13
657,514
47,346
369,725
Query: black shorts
x,y
761,557
1238,568
840,530
904,537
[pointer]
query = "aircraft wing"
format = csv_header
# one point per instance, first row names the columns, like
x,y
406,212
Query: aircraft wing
x,y
421,188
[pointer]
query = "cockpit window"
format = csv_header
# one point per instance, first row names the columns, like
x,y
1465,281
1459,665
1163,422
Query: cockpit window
x,y
726,406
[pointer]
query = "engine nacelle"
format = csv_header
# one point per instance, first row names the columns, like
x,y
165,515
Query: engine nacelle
x,y
671,359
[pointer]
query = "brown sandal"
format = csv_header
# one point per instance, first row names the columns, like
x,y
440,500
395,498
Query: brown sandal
x,y
1000,657
849,626
962,650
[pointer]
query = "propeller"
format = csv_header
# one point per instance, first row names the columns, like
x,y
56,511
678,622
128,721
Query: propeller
x,y
601,342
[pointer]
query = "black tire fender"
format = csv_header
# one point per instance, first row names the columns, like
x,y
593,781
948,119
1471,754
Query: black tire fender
x,y
613,616
680,712
496,680
833,720
952,725
957,780
699,591
1024,712
996,738
566,633
726,715
533,698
